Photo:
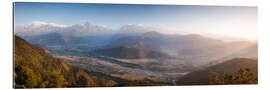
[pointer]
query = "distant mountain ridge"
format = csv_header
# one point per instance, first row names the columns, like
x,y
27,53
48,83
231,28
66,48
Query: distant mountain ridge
x,y
125,52
49,39
155,38
191,47
77,30
248,52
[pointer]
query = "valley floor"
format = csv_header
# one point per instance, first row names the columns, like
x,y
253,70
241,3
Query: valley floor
x,y
124,68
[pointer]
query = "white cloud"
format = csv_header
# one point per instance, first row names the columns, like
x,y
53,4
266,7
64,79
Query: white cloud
x,y
39,23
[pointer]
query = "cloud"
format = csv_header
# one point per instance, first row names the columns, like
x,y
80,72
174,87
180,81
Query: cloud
x,y
40,23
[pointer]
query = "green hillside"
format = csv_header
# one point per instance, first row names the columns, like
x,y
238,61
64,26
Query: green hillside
x,y
34,68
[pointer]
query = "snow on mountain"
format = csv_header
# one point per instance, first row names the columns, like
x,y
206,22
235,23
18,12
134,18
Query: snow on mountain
x,y
39,27
134,28
87,29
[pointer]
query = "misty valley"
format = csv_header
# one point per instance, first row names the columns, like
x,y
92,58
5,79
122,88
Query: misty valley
x,y
137,53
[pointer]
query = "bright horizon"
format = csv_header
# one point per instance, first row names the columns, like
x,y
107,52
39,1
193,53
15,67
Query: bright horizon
x,y
234,21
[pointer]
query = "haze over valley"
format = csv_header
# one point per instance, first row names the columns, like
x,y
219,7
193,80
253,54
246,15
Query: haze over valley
x,y
134,52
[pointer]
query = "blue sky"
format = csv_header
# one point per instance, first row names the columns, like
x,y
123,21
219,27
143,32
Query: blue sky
x,y
227,20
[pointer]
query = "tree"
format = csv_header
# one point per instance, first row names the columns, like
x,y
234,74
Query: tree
x,y
215,78
243,76
57,80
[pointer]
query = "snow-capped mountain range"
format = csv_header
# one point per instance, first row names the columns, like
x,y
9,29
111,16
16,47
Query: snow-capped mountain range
x,y
89,29
84,29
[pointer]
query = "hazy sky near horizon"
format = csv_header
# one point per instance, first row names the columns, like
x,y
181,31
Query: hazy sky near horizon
x,y
237,21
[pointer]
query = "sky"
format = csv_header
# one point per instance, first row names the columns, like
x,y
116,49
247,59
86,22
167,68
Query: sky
x,y
236,21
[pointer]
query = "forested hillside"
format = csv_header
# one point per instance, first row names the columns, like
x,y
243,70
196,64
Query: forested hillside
x,y
34,68
203,77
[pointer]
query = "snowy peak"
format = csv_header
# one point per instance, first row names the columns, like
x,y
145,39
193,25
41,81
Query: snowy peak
x,y
89,27
40,27
41,23
134,28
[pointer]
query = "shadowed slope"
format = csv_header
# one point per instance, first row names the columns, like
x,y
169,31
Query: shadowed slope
x,y
201,77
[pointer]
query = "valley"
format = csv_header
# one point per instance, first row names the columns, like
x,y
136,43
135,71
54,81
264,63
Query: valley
x,y
139,69
154,57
